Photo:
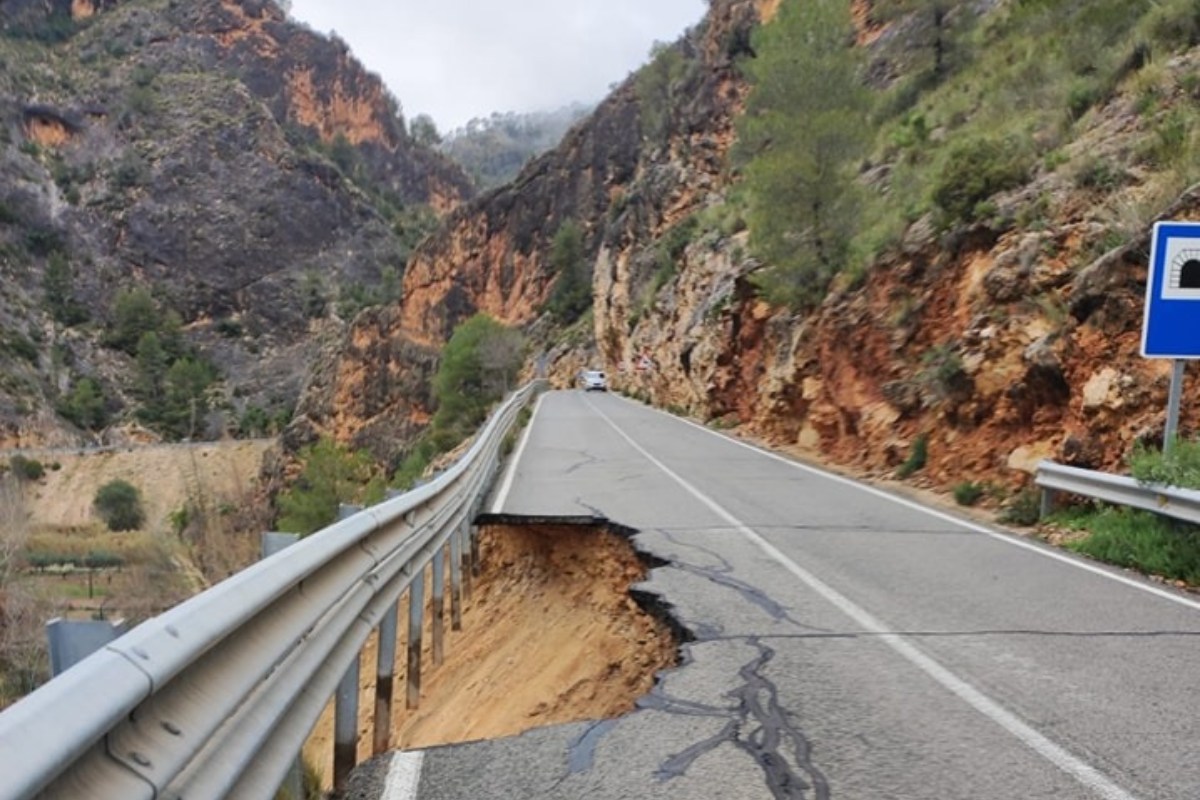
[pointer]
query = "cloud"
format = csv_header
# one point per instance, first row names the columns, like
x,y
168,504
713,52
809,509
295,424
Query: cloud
x,y
459,59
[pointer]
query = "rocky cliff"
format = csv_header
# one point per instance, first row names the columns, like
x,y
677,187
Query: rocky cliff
x,y
995,343
245,171
651,153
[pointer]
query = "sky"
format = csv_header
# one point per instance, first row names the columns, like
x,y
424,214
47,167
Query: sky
x,y
459,59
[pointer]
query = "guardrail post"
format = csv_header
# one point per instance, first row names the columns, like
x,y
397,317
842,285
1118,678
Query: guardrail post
x,y
416,614
476,563
464,534
71,641
272,543
345,727
439,593
385,674
455,582
1048,499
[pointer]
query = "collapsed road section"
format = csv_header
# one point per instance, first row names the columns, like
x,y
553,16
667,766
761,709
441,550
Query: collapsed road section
x,y
553,632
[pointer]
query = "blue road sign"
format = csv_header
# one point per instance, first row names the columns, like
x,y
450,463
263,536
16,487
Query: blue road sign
x,y
1171,328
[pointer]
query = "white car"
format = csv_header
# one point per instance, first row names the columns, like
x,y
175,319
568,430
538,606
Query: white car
x,y
594,380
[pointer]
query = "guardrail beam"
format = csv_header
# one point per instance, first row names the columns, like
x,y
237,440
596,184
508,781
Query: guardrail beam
x,y
215,697
1170,501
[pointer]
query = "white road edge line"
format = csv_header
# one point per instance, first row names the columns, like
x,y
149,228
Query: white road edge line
x,y
404,776
510,473
1083,772
1006,538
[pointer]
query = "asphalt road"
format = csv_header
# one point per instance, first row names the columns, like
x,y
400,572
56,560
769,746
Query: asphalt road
x,y
848,643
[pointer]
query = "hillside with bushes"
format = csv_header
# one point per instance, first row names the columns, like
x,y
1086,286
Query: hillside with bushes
x,y
190,194
886,234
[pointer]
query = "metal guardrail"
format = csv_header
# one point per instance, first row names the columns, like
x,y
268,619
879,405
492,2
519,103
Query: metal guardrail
x,y
215,697
1183,504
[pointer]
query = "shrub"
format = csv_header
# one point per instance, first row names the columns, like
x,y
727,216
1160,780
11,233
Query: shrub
x,y
1143,541
968,493
27,469
18,345
1024,509
85,406
916,457
572,294
975,170
332,475
1180,468
119,504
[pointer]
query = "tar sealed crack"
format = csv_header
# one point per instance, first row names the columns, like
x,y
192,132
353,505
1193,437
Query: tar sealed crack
x,y
759,726
722,575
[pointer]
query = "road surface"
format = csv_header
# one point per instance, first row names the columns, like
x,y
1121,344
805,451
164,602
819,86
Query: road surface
x,y
847,643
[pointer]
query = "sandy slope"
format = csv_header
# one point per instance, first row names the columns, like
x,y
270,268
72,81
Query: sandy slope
x,y
168,477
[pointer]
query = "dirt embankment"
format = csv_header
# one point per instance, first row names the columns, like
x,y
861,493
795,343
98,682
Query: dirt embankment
x,y
550,635
167,476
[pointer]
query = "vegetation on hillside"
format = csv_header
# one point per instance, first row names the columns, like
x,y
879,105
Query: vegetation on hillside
x,y
331,475
805,126
572,295
119,504
834,173
478,366
493,150
142,152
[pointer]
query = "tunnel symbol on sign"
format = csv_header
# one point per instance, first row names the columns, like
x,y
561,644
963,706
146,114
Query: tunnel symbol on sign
x,y
1182,281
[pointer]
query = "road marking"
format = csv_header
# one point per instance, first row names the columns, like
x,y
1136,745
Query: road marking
x,y
1083,772
404,776
1006,538
511,473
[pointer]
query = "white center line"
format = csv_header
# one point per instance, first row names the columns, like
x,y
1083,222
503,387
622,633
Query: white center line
x,y
1086,774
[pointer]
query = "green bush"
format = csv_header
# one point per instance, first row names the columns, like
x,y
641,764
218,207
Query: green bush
x,y
27,469
1024,509
477,366
119,504
977,169
968,493
1180,468
49,29
18,345
85,406
572,295
916,457
332,474
1142,541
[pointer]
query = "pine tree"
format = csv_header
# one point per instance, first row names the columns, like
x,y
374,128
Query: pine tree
x,y
804,130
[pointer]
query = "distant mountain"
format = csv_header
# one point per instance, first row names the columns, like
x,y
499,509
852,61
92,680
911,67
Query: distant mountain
x,y
209,172
494,150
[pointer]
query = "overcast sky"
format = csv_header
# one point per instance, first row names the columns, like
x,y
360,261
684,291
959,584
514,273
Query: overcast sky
x,y
459,59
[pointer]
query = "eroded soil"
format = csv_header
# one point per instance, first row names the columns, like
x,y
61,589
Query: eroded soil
x,y
550,635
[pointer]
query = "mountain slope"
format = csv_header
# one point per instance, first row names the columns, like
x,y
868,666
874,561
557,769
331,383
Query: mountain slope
x,y
988,325
245,172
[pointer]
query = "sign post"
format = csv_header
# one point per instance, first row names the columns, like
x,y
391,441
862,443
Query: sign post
x,y
1171,327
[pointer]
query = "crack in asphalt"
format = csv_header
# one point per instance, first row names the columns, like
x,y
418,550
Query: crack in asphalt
x,y
595,512
581,753
759,726
587,461
722,576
